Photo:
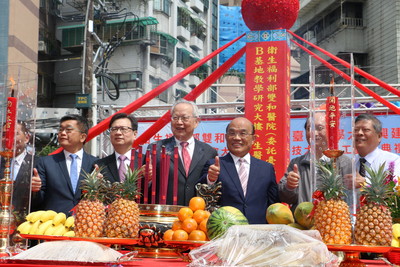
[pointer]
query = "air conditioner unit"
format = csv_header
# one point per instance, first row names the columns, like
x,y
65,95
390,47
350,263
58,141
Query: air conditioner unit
x,y
42,47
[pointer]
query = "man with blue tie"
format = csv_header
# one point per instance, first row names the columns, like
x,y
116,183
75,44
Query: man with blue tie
x,y
56,178
248,183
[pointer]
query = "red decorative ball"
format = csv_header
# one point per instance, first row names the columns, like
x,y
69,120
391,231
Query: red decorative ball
x,y
269,14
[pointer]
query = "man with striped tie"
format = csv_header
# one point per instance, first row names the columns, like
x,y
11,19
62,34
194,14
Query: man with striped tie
x,y
248,183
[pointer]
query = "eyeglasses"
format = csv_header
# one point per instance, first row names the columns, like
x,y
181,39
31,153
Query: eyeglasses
x,y
241,134
68,129
123,129
182,118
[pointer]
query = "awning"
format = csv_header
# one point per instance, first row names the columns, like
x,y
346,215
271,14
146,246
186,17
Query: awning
x,y
169,38
142,21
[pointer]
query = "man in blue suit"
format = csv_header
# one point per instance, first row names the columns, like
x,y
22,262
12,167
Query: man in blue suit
x,y
248,183
56,178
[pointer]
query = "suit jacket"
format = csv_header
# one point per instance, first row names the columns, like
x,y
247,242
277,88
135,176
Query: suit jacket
x,y
262,189
21,186
110,163
186,184
56,192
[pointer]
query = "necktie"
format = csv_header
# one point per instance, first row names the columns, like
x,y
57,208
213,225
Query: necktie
x,y
122,168
186,157
73,173
362,167
243,174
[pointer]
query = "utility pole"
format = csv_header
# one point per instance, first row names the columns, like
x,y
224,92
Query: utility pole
x,y
87,68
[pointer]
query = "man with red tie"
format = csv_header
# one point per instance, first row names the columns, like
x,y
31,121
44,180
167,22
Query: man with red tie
x,y
248,183
193,154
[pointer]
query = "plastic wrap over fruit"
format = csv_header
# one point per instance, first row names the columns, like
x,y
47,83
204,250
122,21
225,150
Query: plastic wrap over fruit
x,y
264,245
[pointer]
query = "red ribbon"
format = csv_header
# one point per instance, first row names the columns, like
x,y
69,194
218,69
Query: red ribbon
x,y
318,196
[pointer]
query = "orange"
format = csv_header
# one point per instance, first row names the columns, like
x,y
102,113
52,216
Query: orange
x,y
200,215
197,235
189,225
197,203
203,225
180,235
177,224
185,213
168,234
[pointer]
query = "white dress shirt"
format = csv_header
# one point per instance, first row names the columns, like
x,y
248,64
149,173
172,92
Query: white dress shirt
x,y
379,156
127,161
190,147
78,160
16,164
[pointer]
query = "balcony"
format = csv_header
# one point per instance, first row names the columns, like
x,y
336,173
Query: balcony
x,y
197,5
183,34
193,81
196,43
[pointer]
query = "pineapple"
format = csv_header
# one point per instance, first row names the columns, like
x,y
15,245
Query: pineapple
x,y
90,211
374,222
123,214
332,214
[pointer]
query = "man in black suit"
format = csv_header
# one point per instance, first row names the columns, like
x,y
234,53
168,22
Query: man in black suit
x,y
20,171
56,178
184,119
248,184
123,132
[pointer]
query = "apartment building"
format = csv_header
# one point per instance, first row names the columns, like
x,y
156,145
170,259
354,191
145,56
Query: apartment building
x,y
369,29
139,44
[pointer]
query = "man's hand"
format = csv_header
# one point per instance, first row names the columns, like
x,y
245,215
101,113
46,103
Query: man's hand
x,y
348,181
99,174
293,178
36,181
213,170
149,173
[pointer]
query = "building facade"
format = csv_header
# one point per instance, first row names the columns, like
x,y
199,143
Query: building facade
x,y
137,46
368,29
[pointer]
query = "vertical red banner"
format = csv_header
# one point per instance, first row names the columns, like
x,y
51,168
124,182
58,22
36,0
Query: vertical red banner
x,y
267,102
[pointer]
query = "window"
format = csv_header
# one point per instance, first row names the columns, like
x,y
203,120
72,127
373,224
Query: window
x,y
156,82
127,80
183,17
163,6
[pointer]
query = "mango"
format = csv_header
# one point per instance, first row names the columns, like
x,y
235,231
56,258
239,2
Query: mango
x,y
301,214
279,213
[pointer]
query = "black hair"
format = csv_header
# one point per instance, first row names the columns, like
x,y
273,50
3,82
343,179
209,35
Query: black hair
x,y
134,122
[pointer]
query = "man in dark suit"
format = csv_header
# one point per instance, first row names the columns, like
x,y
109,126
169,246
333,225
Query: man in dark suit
x,y
184,119
20,171
56,179
123,132
248,183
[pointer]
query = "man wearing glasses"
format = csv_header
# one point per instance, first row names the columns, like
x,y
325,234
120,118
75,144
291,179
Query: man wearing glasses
x,y
123,132
55,181
193,154
248,184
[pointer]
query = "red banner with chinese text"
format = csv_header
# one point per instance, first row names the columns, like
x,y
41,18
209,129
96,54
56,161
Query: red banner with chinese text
x,y
267,102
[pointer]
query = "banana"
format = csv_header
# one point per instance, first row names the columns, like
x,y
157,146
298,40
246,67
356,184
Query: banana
x,y
59,218
70,221
69,233
34,227
35,216
48,215
395,243
396,230
24,227
43,227
60,230
50,230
